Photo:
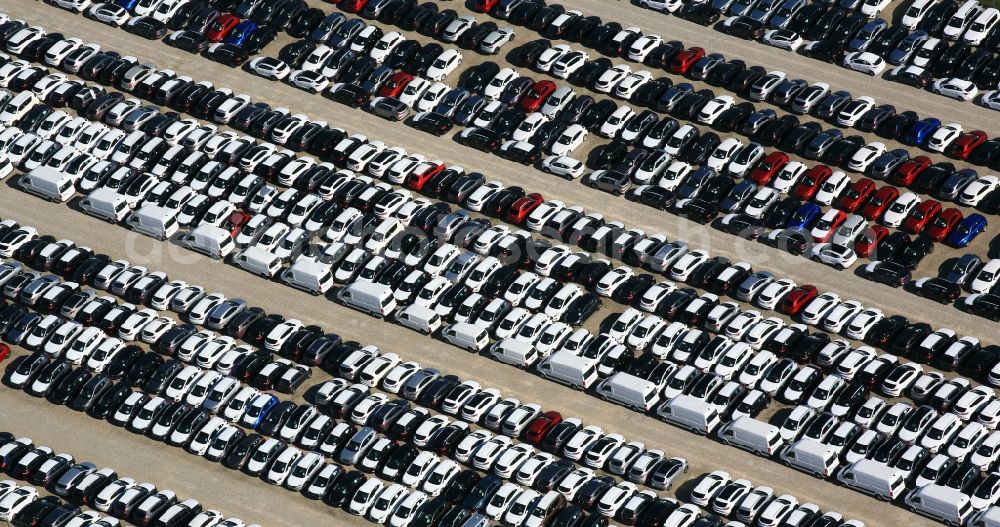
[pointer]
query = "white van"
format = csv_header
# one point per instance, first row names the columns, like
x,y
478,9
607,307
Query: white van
x,y
691,413
809,455
419,318
988,518
629,390
467,336
944,504
516,352
752,435
48,183
106,204
310,275
258,261
873,478
214,242
569,369
154,220
375,299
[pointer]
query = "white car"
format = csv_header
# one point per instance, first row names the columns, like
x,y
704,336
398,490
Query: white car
x,y
862,323
444,64
708,486
783,39
641,48
383,48
630,84
987,277
610,78
616,121
865,156
563,166
567,64
714,108
497,39
500,81
687,263
991,99
109,13
974,192
835,255
832,188
853,110
901,208
872,8
269,68
569,140
944,136
865,62
550,56
955,88
983,25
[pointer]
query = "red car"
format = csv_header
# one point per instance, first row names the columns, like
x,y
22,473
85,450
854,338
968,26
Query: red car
x,y
879,202
856,194
768,167
417,180
685,59
966,143
353,6
395,84
811,181
221,27
540,426
536,96
520,209
908,171
485,6
869,240
4,352
797,299
921,216
237,220
943,224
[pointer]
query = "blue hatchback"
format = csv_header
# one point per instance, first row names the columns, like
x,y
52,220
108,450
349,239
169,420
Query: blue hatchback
x,y
265,409
128,4
241,33
805,216
921,131
973,225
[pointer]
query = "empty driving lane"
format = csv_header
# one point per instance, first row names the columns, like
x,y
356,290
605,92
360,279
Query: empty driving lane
x,y
903,97
572,193
233,493
703,454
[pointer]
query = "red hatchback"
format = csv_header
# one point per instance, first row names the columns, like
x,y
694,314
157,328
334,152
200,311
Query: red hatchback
x,y
520,209
221,27
856,194
4,352
536,96
869,240
966,143
768,167
685,59
395,84
417,180
237,220
353,6
797,299
811,181
540,426
921,216
484,6
908,171
943,224
879,202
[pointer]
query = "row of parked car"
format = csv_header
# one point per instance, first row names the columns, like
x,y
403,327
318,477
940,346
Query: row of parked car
x,y
75,484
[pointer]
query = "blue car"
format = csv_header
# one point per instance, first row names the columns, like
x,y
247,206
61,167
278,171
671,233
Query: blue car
x,y
804,218
921,131
967,230
264,410
128,4
241,33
